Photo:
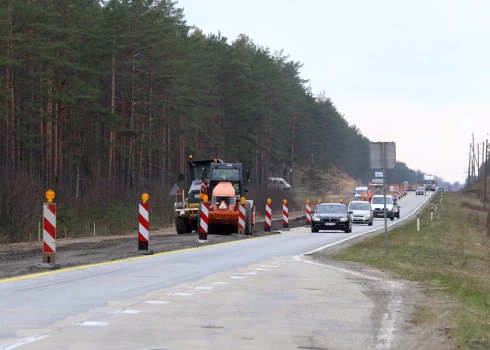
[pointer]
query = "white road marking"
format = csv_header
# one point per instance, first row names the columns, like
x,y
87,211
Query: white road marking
x,y
127,312
258,269
236,277
269,266
248,273
221,282
93,324
205,288
156,302
181,294
386,333
22,342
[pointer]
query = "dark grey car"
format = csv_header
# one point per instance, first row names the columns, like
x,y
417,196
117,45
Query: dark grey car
x,y
331,216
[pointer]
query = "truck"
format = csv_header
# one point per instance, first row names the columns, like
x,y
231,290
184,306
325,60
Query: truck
x,y
226,188
359,190
430,183
376,186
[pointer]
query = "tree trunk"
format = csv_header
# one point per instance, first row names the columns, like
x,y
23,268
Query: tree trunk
x,y
112,154
9,118
129,168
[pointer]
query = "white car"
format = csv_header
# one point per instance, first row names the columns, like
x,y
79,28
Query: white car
x,y
377,203
361,212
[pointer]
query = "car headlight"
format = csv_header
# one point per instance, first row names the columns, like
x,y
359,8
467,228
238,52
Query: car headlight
x,y
343,219
316,219
367,216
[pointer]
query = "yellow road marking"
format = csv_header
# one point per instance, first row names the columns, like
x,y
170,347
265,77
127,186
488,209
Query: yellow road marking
x,y
81,267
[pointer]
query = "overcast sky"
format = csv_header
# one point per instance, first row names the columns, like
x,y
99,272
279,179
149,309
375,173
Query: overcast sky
x,y
414,72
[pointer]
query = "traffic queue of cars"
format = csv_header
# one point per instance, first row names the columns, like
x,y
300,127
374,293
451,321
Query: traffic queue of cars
x,y
337,216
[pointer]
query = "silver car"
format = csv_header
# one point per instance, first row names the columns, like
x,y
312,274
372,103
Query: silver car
x,y
420,191
361,212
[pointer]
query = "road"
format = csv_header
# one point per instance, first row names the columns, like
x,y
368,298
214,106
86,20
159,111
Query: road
x,y
253,294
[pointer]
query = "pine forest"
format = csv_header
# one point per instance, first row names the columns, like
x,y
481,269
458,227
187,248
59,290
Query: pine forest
x,y
103,100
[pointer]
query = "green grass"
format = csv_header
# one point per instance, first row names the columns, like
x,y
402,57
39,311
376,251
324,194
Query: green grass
x,y
450,255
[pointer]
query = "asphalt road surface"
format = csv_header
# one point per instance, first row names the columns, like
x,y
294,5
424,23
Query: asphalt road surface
x,y
259,293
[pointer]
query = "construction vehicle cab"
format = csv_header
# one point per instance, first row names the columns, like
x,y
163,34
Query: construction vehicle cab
x,y
226,189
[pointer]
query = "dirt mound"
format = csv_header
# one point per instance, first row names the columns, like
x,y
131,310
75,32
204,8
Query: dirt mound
x,y
314,183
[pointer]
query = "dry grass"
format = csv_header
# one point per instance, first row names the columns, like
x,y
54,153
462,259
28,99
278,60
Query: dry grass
x,y
451,255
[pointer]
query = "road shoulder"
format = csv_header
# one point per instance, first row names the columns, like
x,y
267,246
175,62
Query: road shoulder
x,y
400,307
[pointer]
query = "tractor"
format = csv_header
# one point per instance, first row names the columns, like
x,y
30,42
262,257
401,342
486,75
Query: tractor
x,y
227,188
186,211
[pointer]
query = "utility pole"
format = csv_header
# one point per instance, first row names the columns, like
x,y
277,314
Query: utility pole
x,y
472,158
478,169
469,167
384,196
485,179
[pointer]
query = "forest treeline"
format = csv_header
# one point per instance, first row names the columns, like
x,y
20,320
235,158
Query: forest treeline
x,y
104,99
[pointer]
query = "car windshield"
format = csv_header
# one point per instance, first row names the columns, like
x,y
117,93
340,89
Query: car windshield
x,y
331,209
420,188
359,206
380,200
360,191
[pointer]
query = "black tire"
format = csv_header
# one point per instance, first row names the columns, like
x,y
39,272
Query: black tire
x,y
348,229
392,218
181,226
371,222
314,230
248,219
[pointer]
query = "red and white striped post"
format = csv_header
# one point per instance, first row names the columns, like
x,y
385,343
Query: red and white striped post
x,y
308,213
285,215
144,225
204,221
268,215
241,216
49,233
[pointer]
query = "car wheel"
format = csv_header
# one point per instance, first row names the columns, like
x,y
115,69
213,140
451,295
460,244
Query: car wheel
x,y
392,218
370,223
314,230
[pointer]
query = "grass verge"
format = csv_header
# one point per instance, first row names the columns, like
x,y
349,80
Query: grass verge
x,y
451,256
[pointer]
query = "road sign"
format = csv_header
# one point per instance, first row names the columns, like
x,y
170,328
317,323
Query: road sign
x,y
377,181
175,190
376,155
